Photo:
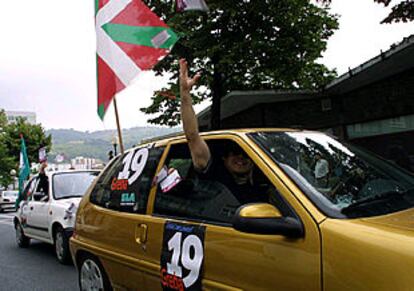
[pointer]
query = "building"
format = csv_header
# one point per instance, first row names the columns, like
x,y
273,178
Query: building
x,y
371,105
82,163
12,116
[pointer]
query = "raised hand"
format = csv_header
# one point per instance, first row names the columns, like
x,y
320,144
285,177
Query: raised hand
x,y
186,83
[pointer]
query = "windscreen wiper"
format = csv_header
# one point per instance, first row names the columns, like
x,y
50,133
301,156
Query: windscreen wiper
x,y
374,199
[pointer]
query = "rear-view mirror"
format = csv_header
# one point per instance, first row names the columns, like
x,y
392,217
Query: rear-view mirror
x,y
264,218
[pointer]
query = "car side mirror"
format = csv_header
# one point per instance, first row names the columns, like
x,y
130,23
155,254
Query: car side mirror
x,y
264,218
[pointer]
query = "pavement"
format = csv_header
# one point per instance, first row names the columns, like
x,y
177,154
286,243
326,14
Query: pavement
x,y
33,269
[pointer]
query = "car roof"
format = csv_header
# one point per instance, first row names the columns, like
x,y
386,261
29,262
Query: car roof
x,y
163,140
50,173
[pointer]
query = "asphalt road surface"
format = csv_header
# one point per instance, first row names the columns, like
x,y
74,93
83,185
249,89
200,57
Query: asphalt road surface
x,y
34,268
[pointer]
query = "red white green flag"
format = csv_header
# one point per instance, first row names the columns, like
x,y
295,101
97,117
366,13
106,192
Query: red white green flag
x,y
130,39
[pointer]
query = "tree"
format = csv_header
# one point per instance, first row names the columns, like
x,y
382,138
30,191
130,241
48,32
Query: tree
x,y
34,137
3,120
401,12
6,162
244,45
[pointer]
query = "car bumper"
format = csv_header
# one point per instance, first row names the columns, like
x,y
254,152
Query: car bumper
x,y
7,205
68,232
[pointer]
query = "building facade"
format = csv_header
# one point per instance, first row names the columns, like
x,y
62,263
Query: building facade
x,y
12,116
371,105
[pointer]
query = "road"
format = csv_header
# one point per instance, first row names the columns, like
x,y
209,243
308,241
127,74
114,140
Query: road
x,y
34,268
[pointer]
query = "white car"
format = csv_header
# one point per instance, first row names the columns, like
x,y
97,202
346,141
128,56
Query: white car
x,y
48,210
8,199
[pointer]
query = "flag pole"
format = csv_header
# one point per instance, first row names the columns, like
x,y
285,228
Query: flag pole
x,y
121,144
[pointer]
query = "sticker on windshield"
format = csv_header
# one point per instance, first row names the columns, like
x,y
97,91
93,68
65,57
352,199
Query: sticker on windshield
x,y
134,163
119,184
167,179
182,256
170,181
127,199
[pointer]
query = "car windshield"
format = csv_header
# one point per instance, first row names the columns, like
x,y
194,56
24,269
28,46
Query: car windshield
x,y
10,194
66,185
342,180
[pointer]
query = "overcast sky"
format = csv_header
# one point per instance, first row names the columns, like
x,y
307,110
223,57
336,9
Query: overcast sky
x,y
47,59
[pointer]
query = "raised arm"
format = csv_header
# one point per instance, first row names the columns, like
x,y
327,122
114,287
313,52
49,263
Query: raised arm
x,y
200,153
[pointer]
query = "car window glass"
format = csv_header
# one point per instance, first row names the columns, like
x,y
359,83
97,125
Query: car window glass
x,y
101,193
43,184
125,185
66,185
208,195
30,189
341,179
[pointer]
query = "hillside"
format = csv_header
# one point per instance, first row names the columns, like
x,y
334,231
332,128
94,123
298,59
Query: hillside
x,y
97,144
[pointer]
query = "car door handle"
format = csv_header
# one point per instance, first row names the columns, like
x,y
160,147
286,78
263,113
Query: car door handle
x,y
31,207
141,233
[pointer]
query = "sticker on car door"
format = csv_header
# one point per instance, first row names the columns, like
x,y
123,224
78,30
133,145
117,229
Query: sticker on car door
x,y
182,256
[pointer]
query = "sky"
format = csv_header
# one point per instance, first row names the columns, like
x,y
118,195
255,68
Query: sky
x,y
47,59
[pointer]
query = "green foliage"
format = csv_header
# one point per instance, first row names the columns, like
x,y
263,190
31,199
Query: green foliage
x,y
403,11
253,45
6,165
3,120
34,137
6,162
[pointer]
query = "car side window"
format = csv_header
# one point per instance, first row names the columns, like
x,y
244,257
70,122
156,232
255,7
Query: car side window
x,y
30,189
205,196
126,183
43,184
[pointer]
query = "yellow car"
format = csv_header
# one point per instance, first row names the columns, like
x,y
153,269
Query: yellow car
x,y
318,214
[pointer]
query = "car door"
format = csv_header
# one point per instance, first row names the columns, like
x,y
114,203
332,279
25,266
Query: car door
x,y
26,208
112,223
191,243
39,211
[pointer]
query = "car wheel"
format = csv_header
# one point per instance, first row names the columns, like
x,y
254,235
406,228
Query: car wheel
x,y
62,246
92,275
21,240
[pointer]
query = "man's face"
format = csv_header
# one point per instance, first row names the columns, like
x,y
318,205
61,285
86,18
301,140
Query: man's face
x,y
238,163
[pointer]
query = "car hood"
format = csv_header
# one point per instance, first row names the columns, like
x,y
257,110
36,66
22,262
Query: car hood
x,y
402,220
375,253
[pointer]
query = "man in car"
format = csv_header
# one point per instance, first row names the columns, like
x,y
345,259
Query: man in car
x,y
237,173
43,185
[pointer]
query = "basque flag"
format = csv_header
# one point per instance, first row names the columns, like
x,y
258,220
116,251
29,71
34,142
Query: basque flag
x,y
130,39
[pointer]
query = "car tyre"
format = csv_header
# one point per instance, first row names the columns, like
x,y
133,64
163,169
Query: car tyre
x,y
62,246
92,275
21,239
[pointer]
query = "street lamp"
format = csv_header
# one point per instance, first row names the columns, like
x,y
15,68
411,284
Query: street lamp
x,y
115,144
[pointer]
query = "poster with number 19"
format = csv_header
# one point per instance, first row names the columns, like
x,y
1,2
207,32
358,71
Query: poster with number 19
x,y
182,256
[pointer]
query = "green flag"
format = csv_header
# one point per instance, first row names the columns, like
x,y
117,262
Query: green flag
x,y
24,170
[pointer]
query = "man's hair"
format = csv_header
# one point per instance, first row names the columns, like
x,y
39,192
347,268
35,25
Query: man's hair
x,y
232,147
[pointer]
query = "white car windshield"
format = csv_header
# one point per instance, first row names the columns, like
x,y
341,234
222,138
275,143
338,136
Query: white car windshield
x,y
341,179
66,185
10,194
